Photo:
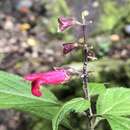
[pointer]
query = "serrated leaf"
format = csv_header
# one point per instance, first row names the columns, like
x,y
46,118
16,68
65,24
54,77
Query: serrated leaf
x,y
118,123
115,101
15,93
96,88
77,105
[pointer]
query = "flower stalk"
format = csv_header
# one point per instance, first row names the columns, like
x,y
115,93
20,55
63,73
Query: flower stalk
x,y
85,68
61,75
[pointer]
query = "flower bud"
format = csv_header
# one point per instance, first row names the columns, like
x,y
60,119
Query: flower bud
x,y
68,47
65,23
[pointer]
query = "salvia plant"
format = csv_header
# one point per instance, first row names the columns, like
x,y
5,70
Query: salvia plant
x,y
112,104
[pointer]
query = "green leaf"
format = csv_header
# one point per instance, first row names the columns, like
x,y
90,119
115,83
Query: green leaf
x,y
115,101
113,105
77,105
16,93
119,123
96,88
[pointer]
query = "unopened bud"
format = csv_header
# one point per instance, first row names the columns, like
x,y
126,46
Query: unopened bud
x,y
84,14
68,47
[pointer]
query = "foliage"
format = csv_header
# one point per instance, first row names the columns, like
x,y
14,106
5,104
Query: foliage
x,y
15,93
119,123
115,102
96,88
112,104
112,18
77,105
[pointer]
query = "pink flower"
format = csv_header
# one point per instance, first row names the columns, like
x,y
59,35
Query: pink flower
x,y
65,23
55,77
68,47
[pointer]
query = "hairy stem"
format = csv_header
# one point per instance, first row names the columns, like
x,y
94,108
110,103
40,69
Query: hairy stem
x,y
85,75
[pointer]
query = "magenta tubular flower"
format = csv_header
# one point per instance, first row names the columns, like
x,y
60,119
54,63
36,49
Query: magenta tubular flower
x,y
68,47
55,77
65,23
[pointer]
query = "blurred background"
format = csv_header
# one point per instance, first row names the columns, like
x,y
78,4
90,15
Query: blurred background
x,y
29,42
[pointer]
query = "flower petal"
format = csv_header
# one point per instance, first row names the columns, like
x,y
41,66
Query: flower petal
x,y
55,77
32,77
36,88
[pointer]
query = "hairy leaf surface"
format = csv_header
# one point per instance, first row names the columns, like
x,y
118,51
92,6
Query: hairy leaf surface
x,y
15,93
76,105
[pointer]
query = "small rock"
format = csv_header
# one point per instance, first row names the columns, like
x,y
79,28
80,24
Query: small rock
x,y
8,25
115,38
127,29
